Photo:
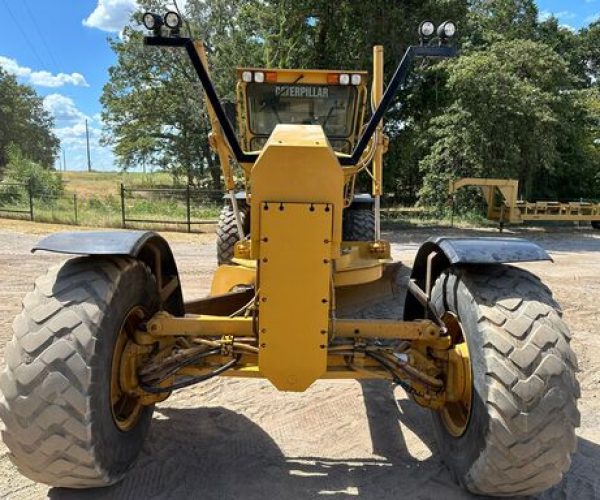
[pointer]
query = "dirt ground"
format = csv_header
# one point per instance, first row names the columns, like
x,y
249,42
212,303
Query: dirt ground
x,y
232,438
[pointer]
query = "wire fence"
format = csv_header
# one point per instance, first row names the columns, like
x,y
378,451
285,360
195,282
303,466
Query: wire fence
x,y
16,200
186,208
162,208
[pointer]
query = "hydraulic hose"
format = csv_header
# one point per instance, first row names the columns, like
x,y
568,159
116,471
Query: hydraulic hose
x,y
191,380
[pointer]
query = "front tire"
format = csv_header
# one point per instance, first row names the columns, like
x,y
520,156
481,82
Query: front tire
x,y
596,224
227,232
62,422
358,225
520,430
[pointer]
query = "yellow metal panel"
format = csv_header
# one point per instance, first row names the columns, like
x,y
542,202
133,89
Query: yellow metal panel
x,y
297,165
294,283
377,90
227,277
309,76
361,262
163,324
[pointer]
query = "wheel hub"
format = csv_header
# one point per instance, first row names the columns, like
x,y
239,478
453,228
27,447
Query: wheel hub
x,y
126,406
459,387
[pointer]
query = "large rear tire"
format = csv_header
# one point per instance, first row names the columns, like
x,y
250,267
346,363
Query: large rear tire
x,y
358,225
63,421
519,432
227,232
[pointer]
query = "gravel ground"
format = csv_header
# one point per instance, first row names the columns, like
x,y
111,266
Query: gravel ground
x,y
232,438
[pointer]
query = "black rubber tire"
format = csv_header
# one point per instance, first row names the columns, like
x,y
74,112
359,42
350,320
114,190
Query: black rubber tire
x,y
596,224
55,402
358,225
521,431
227,232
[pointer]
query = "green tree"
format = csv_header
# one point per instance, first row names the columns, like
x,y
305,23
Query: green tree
x,y
514,113
22,170
152,101
591,51
25,123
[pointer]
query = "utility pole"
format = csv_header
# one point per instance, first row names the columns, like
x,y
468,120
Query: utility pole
x,y
64,160
87,138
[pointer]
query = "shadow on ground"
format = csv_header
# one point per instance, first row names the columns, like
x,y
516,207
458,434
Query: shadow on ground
x,y
216,453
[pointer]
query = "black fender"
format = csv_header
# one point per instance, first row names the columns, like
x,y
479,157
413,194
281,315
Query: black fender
x,y
147,246
362,201
466,251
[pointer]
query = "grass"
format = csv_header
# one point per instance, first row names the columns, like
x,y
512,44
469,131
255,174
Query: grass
x,y
94,199
102,184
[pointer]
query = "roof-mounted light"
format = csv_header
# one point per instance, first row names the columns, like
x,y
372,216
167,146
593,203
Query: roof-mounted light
x,y
426,29
173,21
152,22
446,30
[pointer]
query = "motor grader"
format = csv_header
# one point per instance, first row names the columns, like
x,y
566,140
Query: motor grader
x,y
105,336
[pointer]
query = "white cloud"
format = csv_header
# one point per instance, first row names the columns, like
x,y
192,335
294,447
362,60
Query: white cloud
x,y
565,14
63,108
70,129
592,19
114,15
110,15
42,78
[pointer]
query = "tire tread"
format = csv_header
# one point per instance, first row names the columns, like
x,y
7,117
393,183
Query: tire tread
x,y
532,390
46,385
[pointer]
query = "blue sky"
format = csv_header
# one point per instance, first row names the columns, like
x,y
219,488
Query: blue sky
x,y
60,47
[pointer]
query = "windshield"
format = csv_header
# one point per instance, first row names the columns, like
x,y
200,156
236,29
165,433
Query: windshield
x,y
332,107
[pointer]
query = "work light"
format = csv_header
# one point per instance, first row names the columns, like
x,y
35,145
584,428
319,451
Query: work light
x,y
446,30
152,21
172,20
426,29
344,79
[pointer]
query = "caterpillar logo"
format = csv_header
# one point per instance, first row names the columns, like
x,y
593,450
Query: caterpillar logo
x,y
302,91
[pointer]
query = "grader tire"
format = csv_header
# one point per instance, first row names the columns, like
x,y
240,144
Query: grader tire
x,y
56,387
358,225
227,232
596,224
521,431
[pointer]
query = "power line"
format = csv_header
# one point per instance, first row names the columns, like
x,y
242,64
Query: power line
x,y
18,25
41,37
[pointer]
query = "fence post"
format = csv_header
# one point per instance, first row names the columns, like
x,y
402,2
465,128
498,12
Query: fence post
x,y
30,189
75,207
189,211
122,206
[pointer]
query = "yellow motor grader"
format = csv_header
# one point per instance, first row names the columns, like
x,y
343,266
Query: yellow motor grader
x,y
105,336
